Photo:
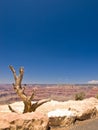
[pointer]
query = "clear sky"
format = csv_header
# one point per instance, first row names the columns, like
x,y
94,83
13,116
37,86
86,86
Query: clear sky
x,y
56,41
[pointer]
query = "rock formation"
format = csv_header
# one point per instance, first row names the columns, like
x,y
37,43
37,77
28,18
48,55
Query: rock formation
x,y
57,113
27,121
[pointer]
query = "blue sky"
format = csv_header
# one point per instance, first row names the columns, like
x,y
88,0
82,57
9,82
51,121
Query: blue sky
x,y
56,41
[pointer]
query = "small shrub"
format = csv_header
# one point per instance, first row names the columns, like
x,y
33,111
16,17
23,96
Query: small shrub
x,y
96,96
80,96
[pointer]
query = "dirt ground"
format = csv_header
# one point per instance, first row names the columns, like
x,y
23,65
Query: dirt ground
x,y
91,124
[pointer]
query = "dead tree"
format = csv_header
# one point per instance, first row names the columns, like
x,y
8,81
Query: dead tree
x,y
28,106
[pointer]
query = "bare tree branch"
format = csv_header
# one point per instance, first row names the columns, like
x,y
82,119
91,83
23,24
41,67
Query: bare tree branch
x,y
28,106
39,103
11,109
18,79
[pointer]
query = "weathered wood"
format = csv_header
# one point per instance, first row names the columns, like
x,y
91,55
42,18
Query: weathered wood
x,y
28,106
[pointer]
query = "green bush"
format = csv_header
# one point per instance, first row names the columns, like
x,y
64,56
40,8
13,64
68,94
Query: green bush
x,y
79,96
96,96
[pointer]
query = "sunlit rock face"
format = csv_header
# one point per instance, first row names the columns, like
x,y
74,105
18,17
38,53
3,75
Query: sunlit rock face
x,y
61,117
54,113
65,117
72,111
29,121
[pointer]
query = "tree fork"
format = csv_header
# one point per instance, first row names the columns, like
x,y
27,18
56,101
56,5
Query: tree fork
x,y
28,106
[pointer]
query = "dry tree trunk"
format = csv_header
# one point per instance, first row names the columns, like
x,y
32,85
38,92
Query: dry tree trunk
x,y
28,106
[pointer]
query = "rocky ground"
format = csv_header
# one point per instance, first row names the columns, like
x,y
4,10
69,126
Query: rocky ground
x,y
61,113
90,124
56,115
